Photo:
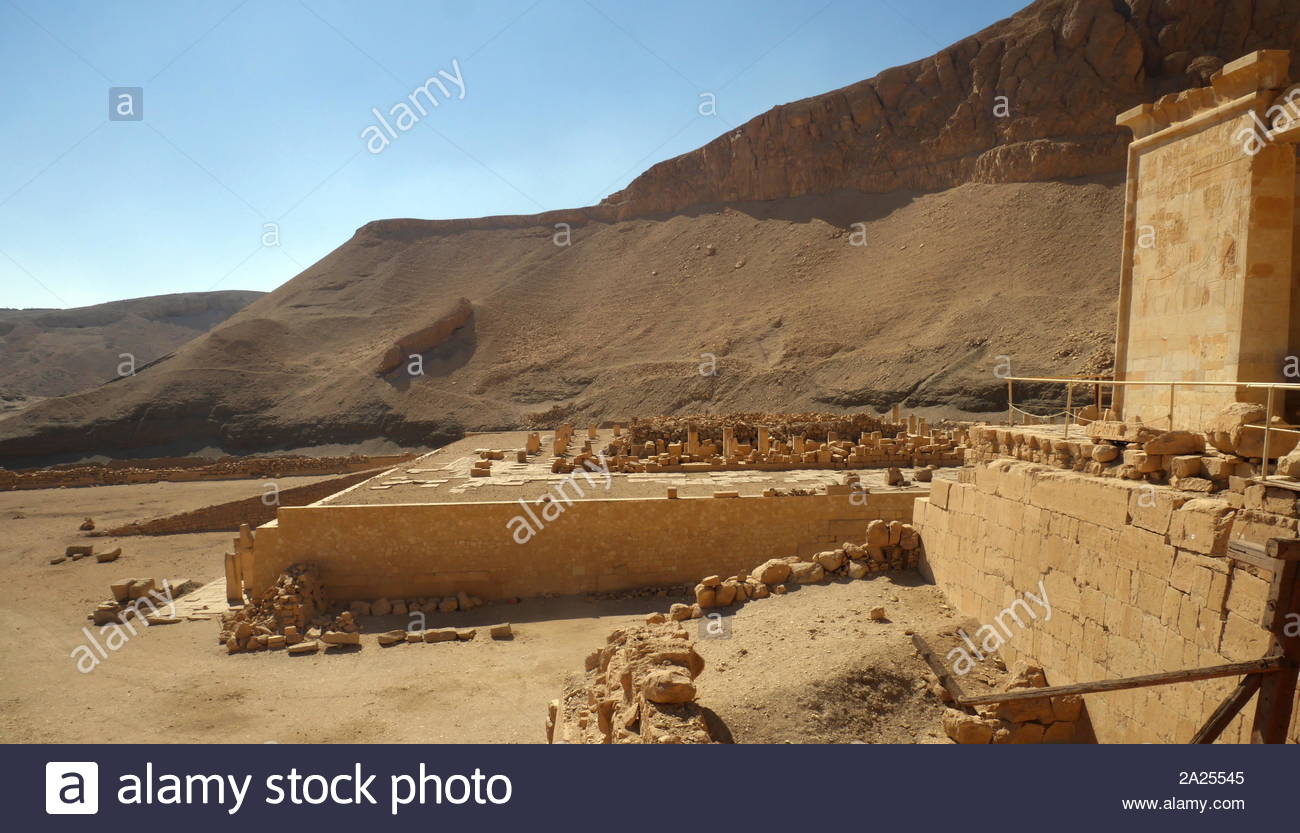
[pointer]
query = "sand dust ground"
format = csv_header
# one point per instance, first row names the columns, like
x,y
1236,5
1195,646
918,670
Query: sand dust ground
x,y
807,667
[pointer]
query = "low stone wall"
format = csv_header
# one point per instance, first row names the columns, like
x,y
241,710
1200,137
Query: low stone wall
x,y
121,472
223,517
404,551
1136,576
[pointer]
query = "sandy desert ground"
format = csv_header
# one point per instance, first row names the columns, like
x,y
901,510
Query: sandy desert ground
x,y
173,683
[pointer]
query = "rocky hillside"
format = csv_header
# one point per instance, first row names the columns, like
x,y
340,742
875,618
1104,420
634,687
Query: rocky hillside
x,y
735,277
52,352
1030,98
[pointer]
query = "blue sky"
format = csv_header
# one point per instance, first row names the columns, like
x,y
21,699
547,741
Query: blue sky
x,y
253,114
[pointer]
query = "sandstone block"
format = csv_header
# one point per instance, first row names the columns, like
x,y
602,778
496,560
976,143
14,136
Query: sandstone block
x,y
440,635
392,637
967,728
772,571
340,638
877,534
304,647
381,607
1202,525
679,612
807,572
669,685
1175,442
831,560
501,631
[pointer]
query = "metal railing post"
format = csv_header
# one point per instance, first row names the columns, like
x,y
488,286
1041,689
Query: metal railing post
x,y
1069,404
1268,419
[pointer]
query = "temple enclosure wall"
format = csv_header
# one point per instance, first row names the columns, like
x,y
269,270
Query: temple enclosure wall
x,y
409,550
1206,286
1136,576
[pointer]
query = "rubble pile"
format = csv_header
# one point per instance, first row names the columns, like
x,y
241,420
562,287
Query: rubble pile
x,y
132,596
1232,445
639,688
280,615
1040,720
889,546
781,447
745,426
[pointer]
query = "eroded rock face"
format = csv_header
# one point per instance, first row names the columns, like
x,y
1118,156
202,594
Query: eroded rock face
x,y
1065,67
639,688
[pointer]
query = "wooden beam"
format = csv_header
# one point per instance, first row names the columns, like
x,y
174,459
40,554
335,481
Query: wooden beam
x,y
1256,555
1228,709
1284,549
946,679
1277,693
1258,666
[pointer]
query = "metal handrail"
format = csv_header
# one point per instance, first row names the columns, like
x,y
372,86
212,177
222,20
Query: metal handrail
x,y
1071,381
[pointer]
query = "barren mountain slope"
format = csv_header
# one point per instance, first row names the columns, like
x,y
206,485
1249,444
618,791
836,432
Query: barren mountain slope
x,y
51,352
1008,253
618,323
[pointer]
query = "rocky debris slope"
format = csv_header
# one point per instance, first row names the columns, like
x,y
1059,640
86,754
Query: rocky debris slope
x,y
639,688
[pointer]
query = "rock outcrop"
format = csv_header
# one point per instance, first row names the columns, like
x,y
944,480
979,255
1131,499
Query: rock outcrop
x,y
1030,98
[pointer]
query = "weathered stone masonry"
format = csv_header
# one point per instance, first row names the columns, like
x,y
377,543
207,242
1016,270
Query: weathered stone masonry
x,y
1137,576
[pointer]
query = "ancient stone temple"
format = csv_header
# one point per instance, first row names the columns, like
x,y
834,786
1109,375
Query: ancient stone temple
x,y
1208,274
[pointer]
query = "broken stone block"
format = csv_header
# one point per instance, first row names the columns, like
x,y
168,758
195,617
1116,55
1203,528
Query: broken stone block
x,y
359,608
1061,732
76,551
807,572
108,556
87,525
670,684
275,641
1103,453
440,635
725,594
340,638
679,612
448,605
380,607
772,571
858,569
877,614
831,560
501,631
392,637
967,728
1175,442
466,634
305,647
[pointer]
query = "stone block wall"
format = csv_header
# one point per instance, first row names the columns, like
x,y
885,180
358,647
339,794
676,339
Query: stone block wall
x,y
403,551
1136,575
